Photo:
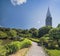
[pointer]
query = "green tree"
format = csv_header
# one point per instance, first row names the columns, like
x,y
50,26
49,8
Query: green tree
x,y
12,34
34,32
44,30
58,25
25,31
54,34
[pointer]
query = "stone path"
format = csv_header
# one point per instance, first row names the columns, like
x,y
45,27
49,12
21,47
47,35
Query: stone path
x,y
36,50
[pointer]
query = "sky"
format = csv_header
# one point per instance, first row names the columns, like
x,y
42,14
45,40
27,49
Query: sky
x,y
28,14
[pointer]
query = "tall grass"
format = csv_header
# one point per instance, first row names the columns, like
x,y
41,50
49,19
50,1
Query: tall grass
x,y
14,46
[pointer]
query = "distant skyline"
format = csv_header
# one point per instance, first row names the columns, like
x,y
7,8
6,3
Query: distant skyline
x,y
27,14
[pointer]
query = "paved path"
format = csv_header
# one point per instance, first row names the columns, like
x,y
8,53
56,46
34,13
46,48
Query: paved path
x,y
36,50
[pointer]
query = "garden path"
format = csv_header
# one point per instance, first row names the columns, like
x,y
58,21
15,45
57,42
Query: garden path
x,y
36,50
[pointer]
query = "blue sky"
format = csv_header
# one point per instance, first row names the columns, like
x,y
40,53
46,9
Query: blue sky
x,y
26,14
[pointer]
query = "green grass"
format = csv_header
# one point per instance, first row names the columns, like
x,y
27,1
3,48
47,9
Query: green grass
x,y
8,47
34,39
53,52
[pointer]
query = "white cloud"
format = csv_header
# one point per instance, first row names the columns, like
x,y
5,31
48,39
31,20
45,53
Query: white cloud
x,y
18,2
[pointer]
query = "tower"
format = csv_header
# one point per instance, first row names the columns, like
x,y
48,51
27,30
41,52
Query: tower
x,y
48,18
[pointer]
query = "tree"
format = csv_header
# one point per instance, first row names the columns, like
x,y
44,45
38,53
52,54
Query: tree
x,y
34,32
12,34
44,30
54,34
25,31
58,25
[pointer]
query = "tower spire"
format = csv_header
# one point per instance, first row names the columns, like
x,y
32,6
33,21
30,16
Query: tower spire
x,y
48,18
48,13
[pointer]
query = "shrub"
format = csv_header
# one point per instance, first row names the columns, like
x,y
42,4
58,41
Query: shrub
x,y
26,43
3,35
54,34
3,51
53,52
34,39
44,41
15,46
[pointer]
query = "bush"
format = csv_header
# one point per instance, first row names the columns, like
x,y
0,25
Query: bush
x,y
3,51
54,34
15,46
3,35
26,43
44,41
34,39
46,35
53,45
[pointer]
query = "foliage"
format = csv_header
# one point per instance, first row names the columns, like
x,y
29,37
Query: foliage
x,y
46,35
13,47
13,33
58,25
3,34
55,33
50,44
53,52
34,39
3,51
44,30
34,32
44,41
16,45
53,45
26,43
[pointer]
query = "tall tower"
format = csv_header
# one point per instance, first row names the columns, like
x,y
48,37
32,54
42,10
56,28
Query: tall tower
x,y
48,18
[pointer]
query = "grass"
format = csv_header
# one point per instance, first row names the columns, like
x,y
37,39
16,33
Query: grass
x,y
21,52
53,52
8,47
34,39
4,42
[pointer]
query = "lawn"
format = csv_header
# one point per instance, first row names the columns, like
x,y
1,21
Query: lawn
x,y
53,52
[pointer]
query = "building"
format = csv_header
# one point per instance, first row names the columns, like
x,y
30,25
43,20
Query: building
x,y
48,18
